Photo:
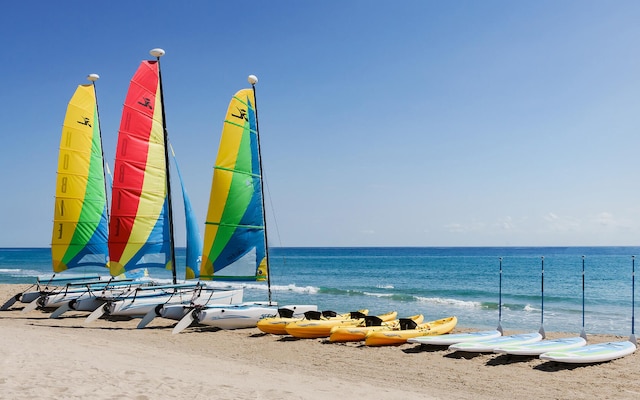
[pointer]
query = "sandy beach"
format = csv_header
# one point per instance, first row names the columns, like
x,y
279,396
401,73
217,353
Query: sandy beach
x,y
64,358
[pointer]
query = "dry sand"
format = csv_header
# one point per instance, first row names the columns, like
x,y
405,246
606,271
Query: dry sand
x,y
64,358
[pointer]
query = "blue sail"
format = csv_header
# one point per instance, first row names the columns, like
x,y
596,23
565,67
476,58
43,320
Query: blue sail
x,y
194,240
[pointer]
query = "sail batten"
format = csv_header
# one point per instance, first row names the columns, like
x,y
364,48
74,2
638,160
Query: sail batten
x,y
234,239
79,234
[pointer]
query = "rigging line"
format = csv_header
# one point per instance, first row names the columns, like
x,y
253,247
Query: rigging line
x,y
105,166
273,212
157,53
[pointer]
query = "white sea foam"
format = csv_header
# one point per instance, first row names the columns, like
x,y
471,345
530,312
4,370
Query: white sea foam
x,y
19,272
387,286
296,289
453,302
378,294
275,288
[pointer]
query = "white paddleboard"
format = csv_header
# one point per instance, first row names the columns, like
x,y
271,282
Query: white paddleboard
x,y
593,353
480,346
544,346
446,340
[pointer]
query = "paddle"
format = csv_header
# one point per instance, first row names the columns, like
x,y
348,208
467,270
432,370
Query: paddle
x,y
632,338
583,333
499,328
542,301
600,352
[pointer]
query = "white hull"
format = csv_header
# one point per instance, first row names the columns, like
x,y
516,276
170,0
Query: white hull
x,y
244,316
177,311
28,297
55,300
49,286
141,305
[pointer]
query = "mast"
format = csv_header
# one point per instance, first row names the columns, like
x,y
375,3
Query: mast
x,y
93,78
157,53
253,80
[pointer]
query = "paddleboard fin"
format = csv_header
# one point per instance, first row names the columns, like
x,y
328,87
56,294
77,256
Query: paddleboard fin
x,y
583,334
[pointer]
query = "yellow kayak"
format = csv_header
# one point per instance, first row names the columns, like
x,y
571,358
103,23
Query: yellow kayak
x,y
322,328
277,325
386,338
357,333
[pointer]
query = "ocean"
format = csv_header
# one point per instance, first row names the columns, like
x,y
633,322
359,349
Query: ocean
x,y
437,282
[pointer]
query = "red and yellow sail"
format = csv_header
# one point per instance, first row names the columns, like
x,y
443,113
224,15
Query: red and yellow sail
x,y
139,230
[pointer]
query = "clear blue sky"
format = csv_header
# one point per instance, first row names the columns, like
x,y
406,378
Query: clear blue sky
x,y
413,123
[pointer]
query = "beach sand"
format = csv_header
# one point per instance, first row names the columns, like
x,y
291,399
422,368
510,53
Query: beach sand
x,y
64,358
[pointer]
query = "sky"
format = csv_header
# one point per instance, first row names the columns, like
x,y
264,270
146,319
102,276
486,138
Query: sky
x,y
413,123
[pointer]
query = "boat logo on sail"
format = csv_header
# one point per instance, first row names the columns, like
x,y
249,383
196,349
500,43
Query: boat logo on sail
x,y
147,103
86,121
243,114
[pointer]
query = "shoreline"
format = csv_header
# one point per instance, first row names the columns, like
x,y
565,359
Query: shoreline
x,y
46,358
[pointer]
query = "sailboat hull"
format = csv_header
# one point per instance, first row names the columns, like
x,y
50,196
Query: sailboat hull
x,y
141,305
28,297
177,311
244,316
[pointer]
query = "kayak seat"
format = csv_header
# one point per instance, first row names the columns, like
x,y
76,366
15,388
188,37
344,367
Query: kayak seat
x,y
285,313
329,314
316,315
372,320
357,315
407,324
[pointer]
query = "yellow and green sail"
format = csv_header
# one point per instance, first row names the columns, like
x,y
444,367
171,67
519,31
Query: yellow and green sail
x,y
79,237
234,237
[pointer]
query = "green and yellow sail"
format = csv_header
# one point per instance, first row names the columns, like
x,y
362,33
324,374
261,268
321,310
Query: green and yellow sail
x,y
234,237
79,236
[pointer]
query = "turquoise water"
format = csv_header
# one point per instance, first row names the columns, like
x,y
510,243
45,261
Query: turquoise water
x,y
436,282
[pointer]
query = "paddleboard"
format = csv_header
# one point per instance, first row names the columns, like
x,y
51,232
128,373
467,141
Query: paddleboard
x,y
446,340
491,344
543,346
593,353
